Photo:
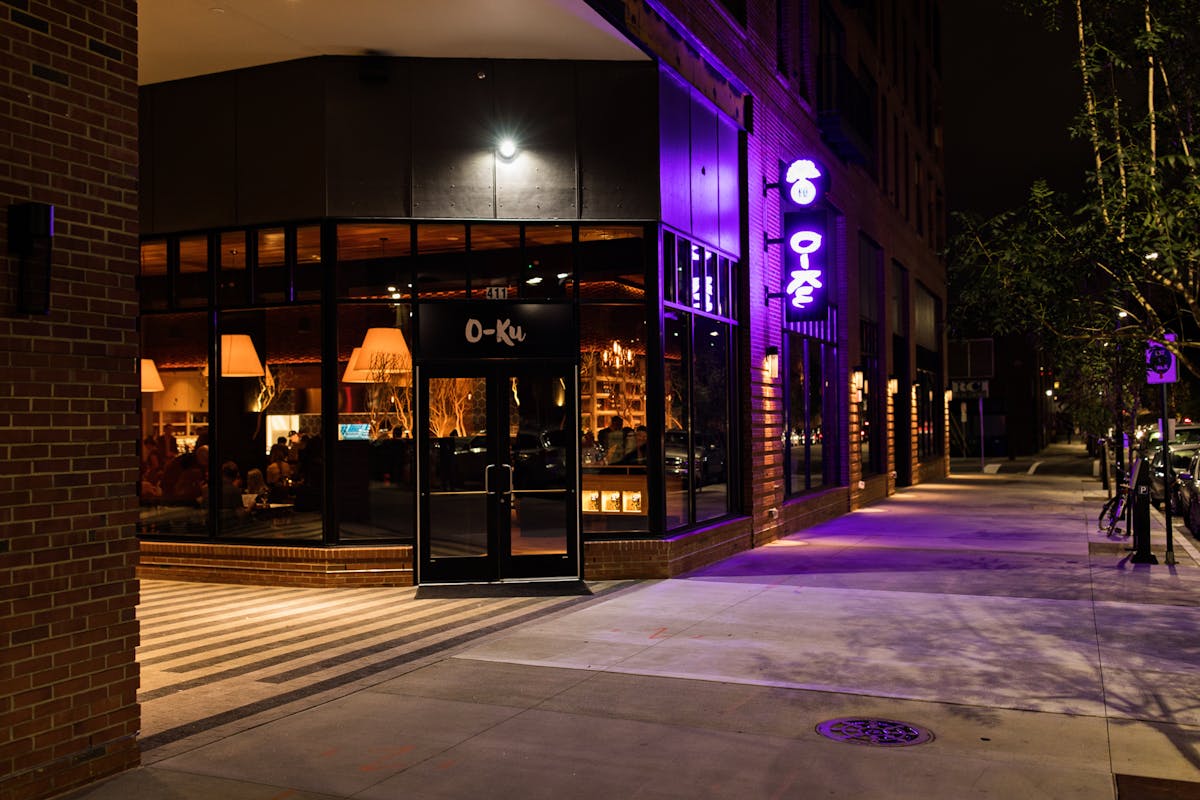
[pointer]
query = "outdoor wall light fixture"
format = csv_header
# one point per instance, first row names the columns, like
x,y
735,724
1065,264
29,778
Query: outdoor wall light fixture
x,y
507,148
771,362
151,381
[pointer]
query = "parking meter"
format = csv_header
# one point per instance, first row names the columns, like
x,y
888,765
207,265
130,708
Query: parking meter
x,y
1140,514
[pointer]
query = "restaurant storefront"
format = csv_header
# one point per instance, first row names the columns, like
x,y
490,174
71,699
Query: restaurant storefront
x,y
490,394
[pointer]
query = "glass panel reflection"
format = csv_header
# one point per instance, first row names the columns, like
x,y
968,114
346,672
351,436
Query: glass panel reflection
x,y
191,287
539,448
677,470
152,283
458,463
710,409
270,452
375,457
175,447
615,444
270,276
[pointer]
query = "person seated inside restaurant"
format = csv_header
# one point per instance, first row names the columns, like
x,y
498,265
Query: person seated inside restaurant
x,y
231,486
279,471
256,485
185,478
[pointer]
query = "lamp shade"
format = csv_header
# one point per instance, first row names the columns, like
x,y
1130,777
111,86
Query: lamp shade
x,y
353,373
151,382
384,350
239,359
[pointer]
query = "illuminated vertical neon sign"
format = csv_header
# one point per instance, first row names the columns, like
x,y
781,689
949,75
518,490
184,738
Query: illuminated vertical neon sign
x,y
807,262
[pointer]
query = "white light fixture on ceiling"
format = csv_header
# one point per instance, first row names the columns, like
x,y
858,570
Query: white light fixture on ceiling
x,y
239,359
151,382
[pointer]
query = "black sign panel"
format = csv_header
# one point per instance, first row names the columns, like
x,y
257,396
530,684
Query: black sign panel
x,y
493,329
807,265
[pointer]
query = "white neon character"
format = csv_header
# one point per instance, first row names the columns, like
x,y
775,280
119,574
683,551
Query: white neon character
x,y
801,174
708,293
806,279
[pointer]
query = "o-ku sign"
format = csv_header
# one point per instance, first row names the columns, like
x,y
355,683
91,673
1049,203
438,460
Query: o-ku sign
x,y
806,265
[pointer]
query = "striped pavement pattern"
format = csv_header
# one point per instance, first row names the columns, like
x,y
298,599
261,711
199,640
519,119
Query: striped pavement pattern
x,y
217,654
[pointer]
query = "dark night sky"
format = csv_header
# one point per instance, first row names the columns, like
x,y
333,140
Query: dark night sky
x,y
1010,95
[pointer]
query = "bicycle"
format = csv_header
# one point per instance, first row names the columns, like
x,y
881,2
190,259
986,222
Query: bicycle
x,y
1114,511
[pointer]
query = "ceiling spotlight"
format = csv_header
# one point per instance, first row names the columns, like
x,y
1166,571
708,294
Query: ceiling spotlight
x,y
507,148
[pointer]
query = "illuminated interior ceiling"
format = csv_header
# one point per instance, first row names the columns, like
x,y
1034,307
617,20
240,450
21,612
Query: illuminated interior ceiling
x,y
185,38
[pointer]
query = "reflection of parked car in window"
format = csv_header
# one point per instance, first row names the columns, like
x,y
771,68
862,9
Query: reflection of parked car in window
x,y
539,459
713,465
676,460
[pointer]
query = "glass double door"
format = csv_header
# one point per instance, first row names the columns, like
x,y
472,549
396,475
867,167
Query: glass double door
x,y
498,474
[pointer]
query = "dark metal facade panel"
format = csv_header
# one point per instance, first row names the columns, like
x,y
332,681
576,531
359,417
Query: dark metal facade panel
x,y
618,140
368,137
535,105
729,186
191,135
403,138
675,152
145,162
705,164
453,139
280,139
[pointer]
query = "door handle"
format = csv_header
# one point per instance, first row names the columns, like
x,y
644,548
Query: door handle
x,y
487,478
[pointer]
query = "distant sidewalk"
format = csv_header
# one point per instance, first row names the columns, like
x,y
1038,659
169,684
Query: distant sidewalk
x,y
1059,458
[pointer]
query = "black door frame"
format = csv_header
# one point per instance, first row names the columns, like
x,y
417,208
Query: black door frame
x,y
499,564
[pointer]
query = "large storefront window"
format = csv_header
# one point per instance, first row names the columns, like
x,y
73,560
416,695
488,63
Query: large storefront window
x,y
615,426
810,427
697,369
871,408
173,484
271,468
375,457
928,391
313,436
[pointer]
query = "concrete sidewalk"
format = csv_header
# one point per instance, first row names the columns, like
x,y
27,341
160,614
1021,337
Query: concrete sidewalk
x,y
984,610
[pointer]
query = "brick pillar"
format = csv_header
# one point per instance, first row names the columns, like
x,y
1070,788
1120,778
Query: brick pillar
x,y
68,400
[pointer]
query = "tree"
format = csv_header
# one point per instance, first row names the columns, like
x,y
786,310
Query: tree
x,y
1090,279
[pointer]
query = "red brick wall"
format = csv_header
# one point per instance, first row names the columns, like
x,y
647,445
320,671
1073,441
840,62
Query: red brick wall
x,y
68,464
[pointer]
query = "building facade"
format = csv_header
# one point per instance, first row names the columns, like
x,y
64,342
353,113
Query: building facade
x,y
417,319
581,270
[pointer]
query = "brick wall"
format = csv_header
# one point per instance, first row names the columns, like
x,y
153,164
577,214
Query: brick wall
x,y
68,678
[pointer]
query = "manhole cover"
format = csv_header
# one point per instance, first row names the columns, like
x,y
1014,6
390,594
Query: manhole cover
x,y
877,732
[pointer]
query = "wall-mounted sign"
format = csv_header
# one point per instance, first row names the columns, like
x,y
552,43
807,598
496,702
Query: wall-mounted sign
x,y
803,182
496,329
806,265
